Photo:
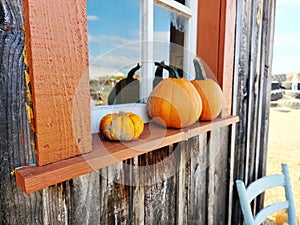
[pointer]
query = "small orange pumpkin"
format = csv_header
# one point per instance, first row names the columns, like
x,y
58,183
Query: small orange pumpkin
x,y
121,126
281,217
174,102
210,93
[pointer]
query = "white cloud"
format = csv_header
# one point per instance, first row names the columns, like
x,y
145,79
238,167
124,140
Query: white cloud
x,y
283,7
95,72
109,40
287,40
287,3
161,36
286,63
92,18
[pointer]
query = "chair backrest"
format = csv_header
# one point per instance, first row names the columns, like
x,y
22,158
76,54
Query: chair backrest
x,y
246,195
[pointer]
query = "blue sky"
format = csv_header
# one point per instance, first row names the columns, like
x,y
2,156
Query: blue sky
x,y
286,51
110,30
114,34
111,25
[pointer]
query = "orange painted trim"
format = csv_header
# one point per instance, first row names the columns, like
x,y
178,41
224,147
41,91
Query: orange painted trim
x,y
208,33
215,42
57,56
228,53
107,153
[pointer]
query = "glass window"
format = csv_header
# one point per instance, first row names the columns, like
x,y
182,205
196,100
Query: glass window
x,y
127,37
113,27
169,38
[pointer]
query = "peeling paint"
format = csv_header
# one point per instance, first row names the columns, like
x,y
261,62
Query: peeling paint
x,y
29,104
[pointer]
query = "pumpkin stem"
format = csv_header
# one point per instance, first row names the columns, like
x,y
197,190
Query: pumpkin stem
x,y
121,113
158,72
159,69
132,72
199,70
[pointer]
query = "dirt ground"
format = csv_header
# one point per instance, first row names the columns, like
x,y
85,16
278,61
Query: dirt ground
x,y
284,146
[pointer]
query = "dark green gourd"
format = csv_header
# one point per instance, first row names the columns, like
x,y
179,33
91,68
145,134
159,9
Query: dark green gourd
x,y
126,90
159,72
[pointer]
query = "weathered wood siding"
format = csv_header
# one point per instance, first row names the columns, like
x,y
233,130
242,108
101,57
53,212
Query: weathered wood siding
x,y
186,183
252,82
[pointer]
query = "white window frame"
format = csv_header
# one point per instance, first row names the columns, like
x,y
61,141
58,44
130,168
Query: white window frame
x,y
147,19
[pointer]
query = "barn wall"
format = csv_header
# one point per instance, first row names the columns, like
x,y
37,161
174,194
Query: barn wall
x,y
180,184
186,183
251,97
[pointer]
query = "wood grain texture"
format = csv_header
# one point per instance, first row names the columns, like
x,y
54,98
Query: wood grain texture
x,y
54,204
192,191
203,174
86,199
106,153
57,56
15,131
227,58
83,199
116,193
158,181
218,156
251,96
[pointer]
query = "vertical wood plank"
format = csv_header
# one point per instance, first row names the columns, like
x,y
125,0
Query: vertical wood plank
x,y
203,179
158,181
138,194
268,20
218,176
15,131
58,55
116,194
182,183
195,181
226,59
254,80
241,92
84,200
202,197
252,68
55,208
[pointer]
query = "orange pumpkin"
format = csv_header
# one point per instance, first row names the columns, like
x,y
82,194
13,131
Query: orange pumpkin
x,y
174,102
210,93
281,217
121,126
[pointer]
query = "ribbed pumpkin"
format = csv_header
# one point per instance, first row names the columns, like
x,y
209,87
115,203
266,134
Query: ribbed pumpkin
x,y
121,126
210,93
174,102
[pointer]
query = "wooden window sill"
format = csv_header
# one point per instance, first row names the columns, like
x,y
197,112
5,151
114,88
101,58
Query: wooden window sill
x,y
106,153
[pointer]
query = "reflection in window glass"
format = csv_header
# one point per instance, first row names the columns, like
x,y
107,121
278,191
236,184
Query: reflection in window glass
x,y
169,31
112,28
183,2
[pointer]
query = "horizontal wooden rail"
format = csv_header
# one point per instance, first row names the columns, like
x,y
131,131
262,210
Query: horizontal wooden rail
x,y
106,153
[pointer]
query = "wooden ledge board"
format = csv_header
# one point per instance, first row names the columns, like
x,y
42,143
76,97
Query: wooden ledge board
x,y
106,153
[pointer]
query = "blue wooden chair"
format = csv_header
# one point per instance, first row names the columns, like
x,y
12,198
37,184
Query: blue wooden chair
x,y
246,195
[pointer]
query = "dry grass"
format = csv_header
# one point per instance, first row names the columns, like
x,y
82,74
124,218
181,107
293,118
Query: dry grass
x,y
284,146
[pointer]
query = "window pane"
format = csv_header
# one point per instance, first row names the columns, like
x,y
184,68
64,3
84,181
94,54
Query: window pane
x,y
169,35
113,35
180,1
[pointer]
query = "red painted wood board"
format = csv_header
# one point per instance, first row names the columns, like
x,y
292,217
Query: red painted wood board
x,y
57,56
107,153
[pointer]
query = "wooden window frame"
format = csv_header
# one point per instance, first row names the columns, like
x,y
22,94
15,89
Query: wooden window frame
x,y
58,69
147,39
